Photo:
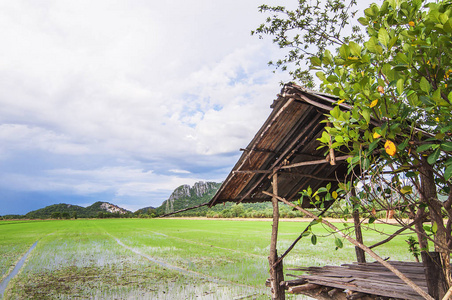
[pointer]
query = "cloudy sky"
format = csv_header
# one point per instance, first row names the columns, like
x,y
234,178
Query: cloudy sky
x,y
123,101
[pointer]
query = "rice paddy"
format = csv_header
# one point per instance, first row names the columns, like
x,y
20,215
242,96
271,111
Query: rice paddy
x,y
160,258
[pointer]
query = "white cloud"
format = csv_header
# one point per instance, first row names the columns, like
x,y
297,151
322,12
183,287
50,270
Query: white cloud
x,y
180,171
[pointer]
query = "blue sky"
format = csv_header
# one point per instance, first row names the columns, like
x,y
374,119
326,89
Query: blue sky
x,y
123,101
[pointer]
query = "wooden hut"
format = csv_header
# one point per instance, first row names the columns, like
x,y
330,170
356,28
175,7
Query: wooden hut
x,y
283,159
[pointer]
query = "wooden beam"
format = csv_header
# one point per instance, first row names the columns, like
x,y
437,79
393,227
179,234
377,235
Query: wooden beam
x,y
283,172
185,209
394,270
304,287
314,162
252,172
257,150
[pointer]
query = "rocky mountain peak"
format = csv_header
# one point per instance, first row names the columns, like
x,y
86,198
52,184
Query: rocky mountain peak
x,y
113,208
198,190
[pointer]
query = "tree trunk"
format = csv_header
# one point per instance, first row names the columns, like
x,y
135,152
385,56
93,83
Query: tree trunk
x,y
441,282
360,254
436,283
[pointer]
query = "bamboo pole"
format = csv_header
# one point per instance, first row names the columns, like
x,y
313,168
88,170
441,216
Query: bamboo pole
x,y
394,270
276,272
448,294
314,162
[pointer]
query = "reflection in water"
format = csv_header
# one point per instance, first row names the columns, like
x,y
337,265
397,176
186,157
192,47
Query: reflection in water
x,y
16,270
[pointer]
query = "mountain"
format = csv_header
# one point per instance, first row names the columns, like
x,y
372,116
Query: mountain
x,y
107,207
62,210
49,211
186,196
145,210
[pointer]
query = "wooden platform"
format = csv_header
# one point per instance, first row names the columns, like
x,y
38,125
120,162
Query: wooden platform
x,y
358,281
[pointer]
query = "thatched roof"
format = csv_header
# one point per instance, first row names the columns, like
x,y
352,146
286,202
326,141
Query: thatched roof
x,y
289,136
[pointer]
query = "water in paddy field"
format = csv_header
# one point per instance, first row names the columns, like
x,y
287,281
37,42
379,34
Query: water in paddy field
x,y
16,270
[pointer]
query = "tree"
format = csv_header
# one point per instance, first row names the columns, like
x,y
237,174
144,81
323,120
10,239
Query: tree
x,y
56,215
308,31
394,114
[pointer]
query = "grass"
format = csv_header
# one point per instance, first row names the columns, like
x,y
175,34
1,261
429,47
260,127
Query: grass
x,y
162,258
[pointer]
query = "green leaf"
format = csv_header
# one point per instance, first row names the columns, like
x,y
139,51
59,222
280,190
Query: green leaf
x,y
448,172
448,26
447,146
427,100
392,42
402,58
371,220
355,49
449,97
344,51
315,61
371,45
434,227
373,145
406,189
424,147
437,96
332,78
364,21
313,239
321,75
425,85
432,158
314,222
369,12
383,37
335,112
366,114
338,243
399,84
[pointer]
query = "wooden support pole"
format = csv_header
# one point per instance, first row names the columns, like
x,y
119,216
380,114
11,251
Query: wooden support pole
x,y
394,270
330,144
276,270
360,254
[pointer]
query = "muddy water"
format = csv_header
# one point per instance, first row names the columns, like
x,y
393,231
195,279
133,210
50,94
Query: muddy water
x,y
16,270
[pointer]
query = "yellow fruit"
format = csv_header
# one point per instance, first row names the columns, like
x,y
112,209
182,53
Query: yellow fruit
x,y
411,23
373,103
334,194
390,148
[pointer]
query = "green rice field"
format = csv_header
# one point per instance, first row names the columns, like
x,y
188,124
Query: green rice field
x,y
162,258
